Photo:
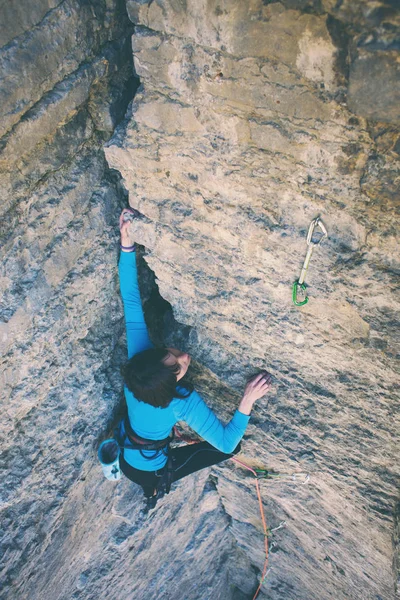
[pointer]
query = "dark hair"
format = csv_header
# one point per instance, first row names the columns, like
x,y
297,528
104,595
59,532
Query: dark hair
x,y
150,380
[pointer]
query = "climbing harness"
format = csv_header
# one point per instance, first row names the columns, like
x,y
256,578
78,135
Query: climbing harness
x,y
132,441
313,239
125,438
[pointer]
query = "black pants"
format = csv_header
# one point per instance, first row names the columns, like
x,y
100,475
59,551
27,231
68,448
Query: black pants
x,y
185,460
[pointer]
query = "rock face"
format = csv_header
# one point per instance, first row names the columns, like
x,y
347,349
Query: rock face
x,y
66,80
250,122
252,119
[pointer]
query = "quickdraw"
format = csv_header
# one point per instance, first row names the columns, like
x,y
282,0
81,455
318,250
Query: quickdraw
x,y
313,239
298,477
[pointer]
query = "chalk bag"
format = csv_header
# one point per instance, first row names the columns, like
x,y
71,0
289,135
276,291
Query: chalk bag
x,y
108,454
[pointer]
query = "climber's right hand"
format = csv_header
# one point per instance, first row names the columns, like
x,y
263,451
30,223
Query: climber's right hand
x,y
256,388
125,219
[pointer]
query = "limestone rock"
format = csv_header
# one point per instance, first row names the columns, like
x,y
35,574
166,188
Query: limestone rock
x,y
374,90
68,35
60,312
16,18
238,137
240,134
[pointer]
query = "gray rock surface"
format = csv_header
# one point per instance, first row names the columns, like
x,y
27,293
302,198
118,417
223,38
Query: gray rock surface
x,y
251,120
374,90
60,311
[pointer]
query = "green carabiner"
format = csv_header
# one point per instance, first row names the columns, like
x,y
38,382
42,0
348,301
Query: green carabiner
x,y
311,243
262,473
303,286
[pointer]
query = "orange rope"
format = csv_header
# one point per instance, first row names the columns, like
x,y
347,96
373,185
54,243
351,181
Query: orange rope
x,y
264,571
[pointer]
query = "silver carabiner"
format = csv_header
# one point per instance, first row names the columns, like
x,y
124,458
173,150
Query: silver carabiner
x,y
311,243
313,225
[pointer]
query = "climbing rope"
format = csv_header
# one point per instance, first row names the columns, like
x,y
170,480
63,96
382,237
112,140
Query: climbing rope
x,y
264,571
189,440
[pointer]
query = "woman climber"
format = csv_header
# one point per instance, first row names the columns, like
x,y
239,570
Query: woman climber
x,y
156,399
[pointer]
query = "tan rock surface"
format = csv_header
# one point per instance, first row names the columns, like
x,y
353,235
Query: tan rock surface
x,y
235,143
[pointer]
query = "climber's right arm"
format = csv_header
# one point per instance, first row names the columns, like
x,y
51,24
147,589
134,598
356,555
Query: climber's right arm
x,y
136,328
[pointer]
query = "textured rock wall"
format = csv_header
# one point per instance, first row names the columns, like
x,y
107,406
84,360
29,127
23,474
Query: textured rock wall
x,y
252,119
66,80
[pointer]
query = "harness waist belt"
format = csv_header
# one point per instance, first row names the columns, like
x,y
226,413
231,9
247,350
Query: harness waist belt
x,y
143,443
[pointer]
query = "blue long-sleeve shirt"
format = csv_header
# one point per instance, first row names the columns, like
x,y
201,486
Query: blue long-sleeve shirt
x,y
156,423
